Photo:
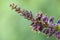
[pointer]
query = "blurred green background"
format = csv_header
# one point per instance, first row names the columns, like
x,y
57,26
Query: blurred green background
x,y
15,27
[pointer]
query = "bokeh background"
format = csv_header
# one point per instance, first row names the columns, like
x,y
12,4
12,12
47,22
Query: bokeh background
x,y
15,27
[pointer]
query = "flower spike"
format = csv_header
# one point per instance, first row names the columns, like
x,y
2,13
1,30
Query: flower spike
x,y
41,23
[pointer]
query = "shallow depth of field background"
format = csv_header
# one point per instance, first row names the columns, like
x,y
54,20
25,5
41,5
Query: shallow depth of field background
x,y
15,27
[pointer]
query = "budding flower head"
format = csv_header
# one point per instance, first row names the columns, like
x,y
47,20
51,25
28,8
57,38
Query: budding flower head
x,y
27,15
39,23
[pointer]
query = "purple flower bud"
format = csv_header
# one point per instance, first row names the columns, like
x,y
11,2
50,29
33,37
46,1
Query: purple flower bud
x,y
51,32
45,19
57,34
46,31
58,22
34,26
51,19
38,16
40,27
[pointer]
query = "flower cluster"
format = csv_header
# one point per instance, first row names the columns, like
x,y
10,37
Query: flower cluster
x,y
41,23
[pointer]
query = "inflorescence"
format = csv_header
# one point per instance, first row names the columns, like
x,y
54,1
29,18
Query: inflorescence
x,y
41,23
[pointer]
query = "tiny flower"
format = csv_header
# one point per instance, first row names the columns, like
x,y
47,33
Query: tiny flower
x,y
45,19
38,16
46,31
39,26
51,19
58,22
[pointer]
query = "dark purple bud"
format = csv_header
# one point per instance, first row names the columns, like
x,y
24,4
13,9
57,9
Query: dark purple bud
x,y
45,19
33,24
39,27
46,31
34,27
51,19
58,22
51,30
38,16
